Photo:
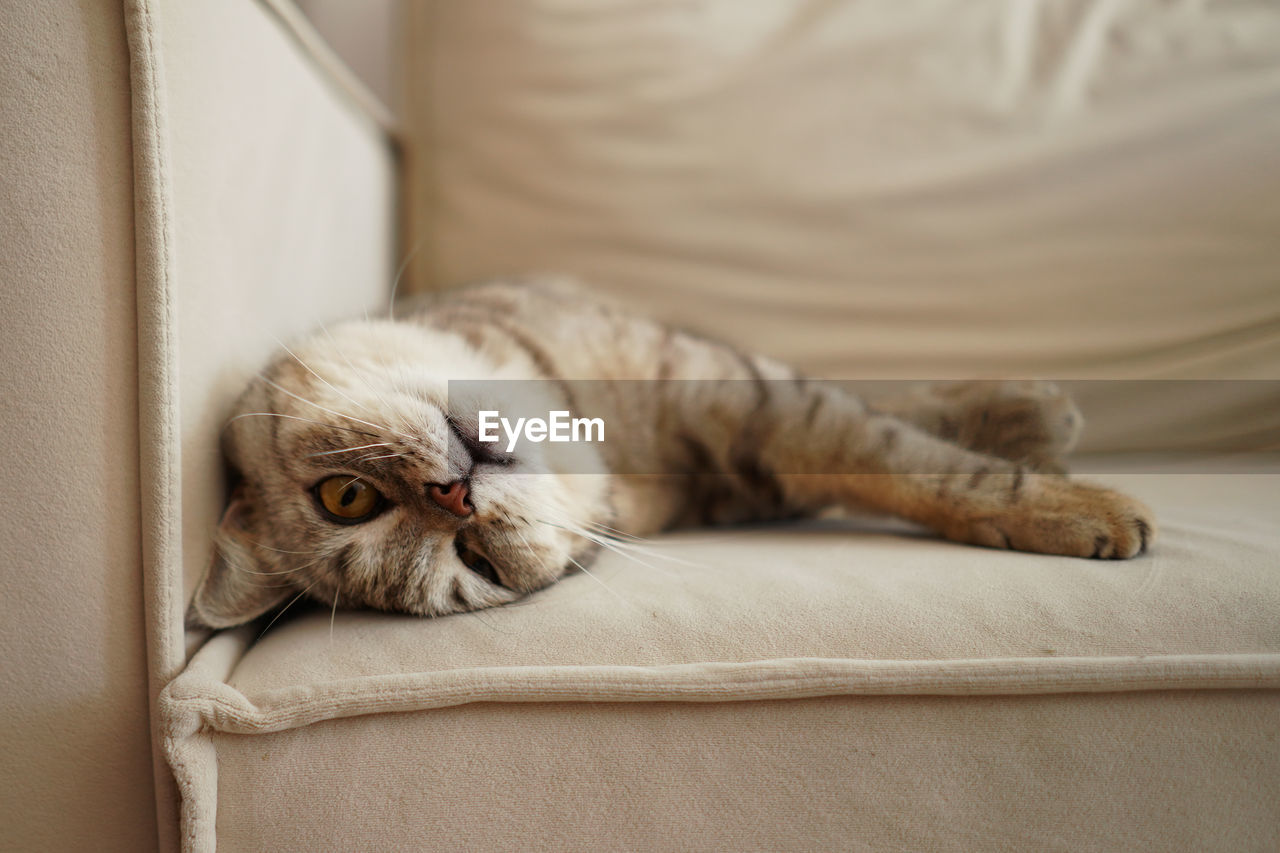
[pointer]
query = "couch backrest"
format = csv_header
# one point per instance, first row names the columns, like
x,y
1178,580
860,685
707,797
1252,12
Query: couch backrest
x,y
883,189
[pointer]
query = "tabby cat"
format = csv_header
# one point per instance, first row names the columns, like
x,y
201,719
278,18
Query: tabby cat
x,y
362,482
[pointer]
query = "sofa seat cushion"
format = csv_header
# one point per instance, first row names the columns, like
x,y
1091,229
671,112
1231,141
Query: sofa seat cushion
x,y
1140,771
797,601
811,687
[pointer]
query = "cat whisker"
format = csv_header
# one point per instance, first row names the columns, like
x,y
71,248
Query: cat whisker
x,y
386,368
615,532
347,449
658,555
368,457
623,538
291,571
333,614
395,284
269,574
330,385
485,622
630,540
527,545
383,456
397,380
292,601
613,546
605,543
606,587
622,546
286,585
357,371
301,399
526,601
296,418
281,550
581,568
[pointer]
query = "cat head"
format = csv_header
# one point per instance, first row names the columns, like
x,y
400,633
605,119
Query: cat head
x,y
360,483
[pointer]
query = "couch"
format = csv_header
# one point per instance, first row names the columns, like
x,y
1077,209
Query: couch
x,y
874,191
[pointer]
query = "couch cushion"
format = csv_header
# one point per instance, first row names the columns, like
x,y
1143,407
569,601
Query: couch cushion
x,y
808,687
783,600
1143,771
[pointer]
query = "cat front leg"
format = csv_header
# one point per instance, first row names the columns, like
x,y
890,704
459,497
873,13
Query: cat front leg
x,y
826,446
1029,421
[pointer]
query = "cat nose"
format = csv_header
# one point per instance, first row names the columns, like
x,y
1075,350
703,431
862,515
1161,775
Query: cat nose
x,y
452,497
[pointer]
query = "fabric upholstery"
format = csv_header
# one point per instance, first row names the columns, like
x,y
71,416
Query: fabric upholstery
x,y
263,185
778,628
830,592
883,189
1144,772
362,35
959,697
283,206
76,769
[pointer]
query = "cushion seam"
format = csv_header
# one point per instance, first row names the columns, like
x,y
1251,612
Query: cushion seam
x,y
223,708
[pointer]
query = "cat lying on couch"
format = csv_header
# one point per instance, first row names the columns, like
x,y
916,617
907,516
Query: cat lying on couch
x,y
364,482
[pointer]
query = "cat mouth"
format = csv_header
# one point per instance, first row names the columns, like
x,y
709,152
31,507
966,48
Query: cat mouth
x,y
478,563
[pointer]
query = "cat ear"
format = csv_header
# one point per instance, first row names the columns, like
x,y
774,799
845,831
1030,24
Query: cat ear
x,y
234,590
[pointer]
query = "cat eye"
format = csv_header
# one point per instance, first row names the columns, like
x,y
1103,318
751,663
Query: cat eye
x,y
347,499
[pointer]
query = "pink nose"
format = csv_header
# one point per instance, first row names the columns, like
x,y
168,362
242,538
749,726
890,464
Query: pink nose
x,y
452,497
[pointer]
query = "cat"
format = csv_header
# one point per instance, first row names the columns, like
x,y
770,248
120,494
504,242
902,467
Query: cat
x,y
363,483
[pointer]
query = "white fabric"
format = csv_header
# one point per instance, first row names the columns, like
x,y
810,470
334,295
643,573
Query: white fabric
x,y
831,592
264,203
870,189
75,764
1070,189
283,218
741,617
1143,771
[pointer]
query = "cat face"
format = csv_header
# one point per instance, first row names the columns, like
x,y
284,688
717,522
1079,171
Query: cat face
x,y
362,485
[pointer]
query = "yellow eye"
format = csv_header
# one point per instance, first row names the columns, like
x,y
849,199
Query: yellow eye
x,y
348,498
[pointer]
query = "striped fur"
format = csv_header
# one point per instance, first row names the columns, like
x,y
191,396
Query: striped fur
x,y
719,436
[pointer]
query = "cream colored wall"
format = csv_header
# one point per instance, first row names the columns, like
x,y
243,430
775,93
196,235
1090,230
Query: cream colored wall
x,y
75,756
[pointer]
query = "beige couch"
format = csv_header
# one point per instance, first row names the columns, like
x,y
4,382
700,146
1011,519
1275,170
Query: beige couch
x,y
873,190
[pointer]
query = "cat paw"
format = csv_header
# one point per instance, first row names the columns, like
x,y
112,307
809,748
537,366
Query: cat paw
x,y
1032,422
1059,516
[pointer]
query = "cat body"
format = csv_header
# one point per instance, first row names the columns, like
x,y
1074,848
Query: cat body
x,y
364,482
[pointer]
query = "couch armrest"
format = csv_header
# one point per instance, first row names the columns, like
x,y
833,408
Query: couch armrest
x,y
182,185
265,196
76,772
